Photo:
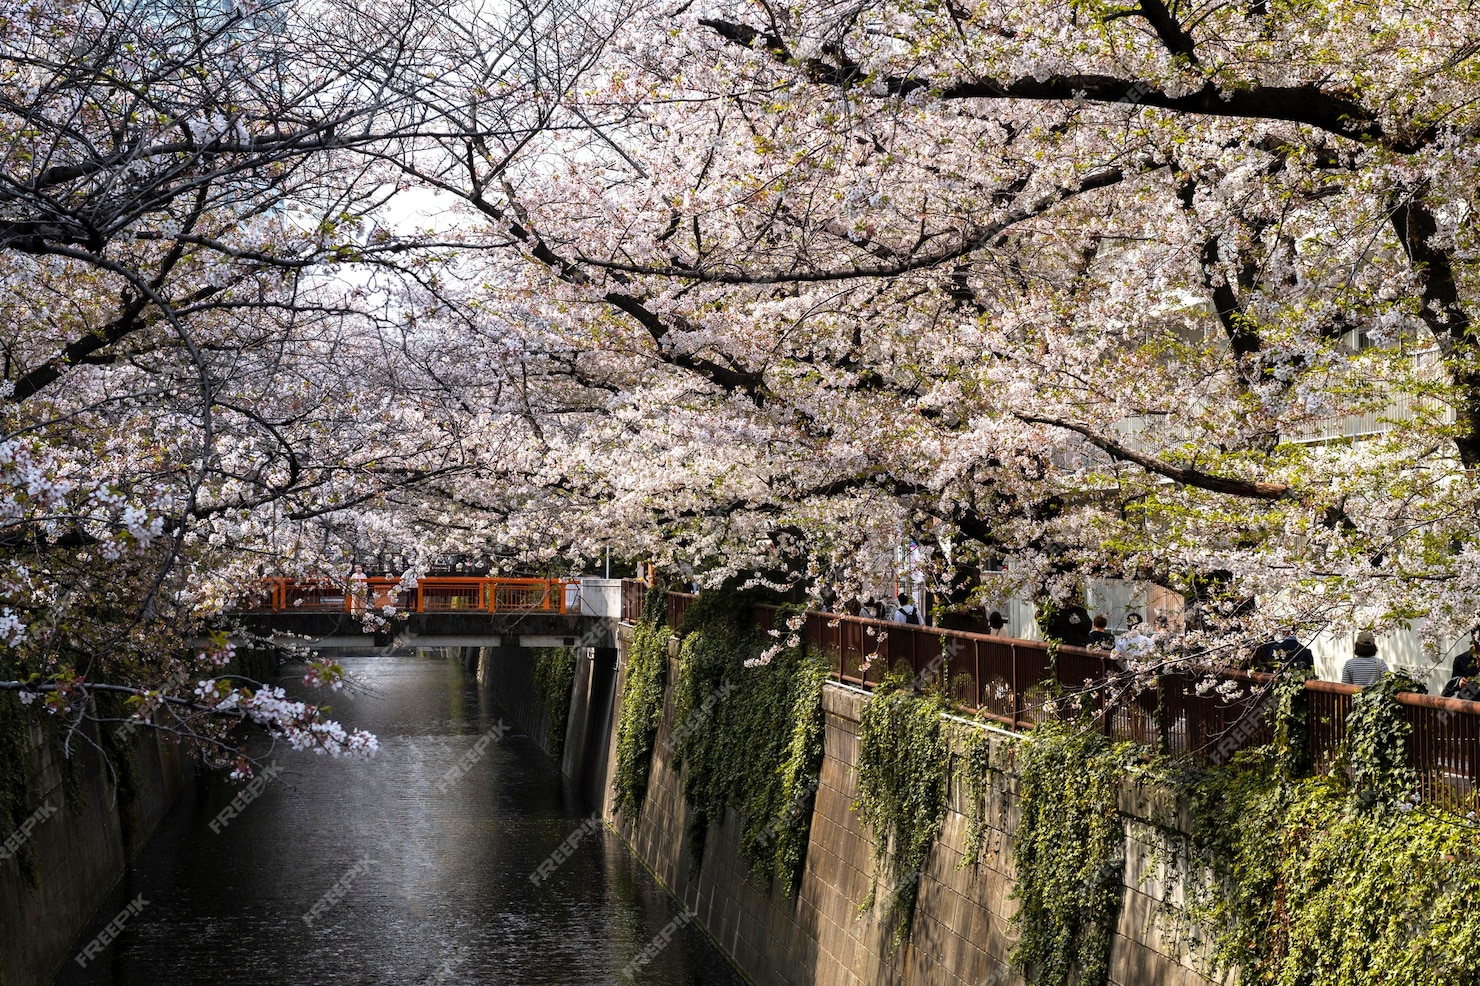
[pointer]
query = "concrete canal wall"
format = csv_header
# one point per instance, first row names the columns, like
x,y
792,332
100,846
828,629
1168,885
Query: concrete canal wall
x,y
962,930
80,839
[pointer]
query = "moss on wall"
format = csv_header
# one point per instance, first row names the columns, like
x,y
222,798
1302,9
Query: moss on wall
x,y
552,675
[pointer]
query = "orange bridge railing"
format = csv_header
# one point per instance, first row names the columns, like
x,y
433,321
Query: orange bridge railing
x,y
433,594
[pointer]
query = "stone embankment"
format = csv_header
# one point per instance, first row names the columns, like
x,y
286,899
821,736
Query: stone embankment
x,y
962,931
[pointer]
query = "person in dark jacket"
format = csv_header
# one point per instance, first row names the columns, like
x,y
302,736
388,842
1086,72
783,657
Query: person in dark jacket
x,y
1462,683
1279,655
1297,656
1100,637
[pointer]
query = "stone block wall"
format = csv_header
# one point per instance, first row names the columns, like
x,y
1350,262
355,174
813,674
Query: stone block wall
x,y
962,933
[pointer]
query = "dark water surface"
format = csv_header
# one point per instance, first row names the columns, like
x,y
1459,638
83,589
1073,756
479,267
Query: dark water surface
x,y
434,887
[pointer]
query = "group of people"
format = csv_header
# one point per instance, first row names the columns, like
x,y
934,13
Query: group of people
x,y
1363,668
1133,642
877,609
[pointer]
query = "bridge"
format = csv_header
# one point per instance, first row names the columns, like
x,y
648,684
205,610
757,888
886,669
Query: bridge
x,y
433,611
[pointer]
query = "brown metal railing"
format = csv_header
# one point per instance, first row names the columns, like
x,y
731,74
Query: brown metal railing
x,y
634,595
1007,680
1329,704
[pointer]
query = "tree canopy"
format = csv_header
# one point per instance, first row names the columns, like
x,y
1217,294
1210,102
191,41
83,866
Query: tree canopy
x,y
1175,292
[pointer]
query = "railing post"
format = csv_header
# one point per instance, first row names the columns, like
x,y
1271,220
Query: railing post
x,y
1107,708
842,664
1017,696
976,672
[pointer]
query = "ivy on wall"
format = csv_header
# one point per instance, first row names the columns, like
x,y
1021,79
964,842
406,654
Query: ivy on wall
x,y
1069,854
903,770
552,676
748,737
1308,887
980,779
1377,743
1291,722
1335,880
120,743
1292,880
801,773
642,707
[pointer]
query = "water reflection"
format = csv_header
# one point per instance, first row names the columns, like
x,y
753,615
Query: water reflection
x,y
408,873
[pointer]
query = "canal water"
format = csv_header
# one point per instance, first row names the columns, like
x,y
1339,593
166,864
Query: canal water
x,y
407,876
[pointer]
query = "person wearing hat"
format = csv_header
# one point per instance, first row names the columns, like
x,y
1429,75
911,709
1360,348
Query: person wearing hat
x,y
1365,666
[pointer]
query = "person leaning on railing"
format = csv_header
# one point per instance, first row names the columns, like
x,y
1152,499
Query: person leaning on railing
x,y
1100,638
1284,654
1462,680
1364,667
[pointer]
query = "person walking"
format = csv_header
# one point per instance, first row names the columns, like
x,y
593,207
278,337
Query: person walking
x,y
908,612
1364,667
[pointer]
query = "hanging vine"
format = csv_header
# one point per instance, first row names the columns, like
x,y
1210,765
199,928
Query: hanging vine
x,y
748,737
642,706
18,793
1377,743
1069,854
981,779
552,677
903,768
1308,888
1290,717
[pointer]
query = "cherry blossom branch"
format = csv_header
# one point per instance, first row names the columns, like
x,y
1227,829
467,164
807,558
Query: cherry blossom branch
x,y
1247,488
265,706
1306,103
975,240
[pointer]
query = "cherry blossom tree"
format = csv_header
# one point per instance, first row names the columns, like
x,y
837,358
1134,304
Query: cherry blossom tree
x,y
1098,288
223,349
